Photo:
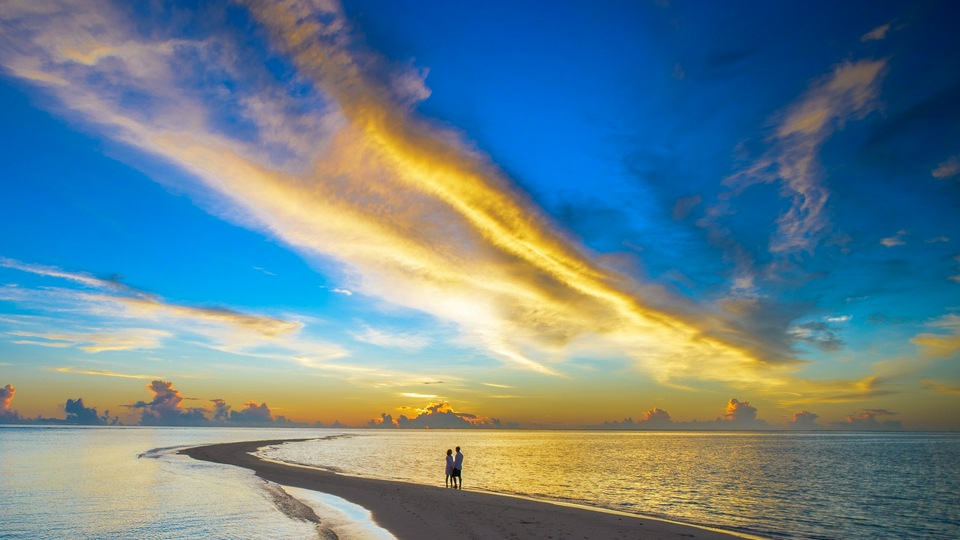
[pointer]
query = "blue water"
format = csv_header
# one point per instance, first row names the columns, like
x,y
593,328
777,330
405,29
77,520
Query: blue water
x,y
75,482
63,482
777,485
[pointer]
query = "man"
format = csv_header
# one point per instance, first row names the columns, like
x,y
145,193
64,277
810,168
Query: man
x,y
458,470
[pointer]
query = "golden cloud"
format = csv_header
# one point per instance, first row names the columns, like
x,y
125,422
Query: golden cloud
x,y
413,214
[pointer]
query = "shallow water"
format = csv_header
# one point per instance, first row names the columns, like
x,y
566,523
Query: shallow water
x,y
778,485
74,482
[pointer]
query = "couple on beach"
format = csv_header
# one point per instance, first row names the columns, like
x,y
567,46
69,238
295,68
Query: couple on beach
x,y
454,469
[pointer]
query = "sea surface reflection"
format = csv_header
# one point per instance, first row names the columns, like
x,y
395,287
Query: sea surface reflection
x,y
779,485
75,482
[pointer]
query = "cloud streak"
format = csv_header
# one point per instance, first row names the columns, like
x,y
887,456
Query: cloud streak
x,y
381,338
110,303
121,340
147,304
103,373
945,342
849,92
413,214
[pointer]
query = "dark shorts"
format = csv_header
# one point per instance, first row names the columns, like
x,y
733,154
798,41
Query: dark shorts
x,y
455,473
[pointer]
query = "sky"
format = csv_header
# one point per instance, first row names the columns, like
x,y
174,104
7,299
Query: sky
x,y
618,214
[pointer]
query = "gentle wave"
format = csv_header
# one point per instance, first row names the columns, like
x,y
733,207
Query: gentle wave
x,y
776,485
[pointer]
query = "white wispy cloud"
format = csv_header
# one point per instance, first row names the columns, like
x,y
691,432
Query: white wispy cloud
x,y
104,373
113,316
116,340
88,280
877,34
944,342
947,169
393,340
849,92
940,388
898,239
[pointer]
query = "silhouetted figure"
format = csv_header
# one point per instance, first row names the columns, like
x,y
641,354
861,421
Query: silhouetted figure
x,y
449,467
458,469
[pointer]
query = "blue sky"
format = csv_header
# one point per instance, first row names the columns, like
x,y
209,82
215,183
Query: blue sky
x,y
555,215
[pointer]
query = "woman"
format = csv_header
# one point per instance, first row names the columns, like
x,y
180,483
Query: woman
x,y
449,466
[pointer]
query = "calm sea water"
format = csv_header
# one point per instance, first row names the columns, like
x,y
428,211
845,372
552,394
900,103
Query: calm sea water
x,y
778,485
128,483
62,482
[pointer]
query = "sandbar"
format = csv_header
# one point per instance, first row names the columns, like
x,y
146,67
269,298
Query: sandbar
x,y
414,511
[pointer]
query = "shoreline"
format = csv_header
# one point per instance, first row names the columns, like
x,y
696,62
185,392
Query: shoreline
x,y
413,511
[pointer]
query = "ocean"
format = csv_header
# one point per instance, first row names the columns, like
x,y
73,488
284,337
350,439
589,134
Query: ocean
x,y
128,482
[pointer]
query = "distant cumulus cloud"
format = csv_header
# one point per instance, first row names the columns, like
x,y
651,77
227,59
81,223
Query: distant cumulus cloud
x,y
437,416
384,422
164,409
738,415
742,415
867,420
655,418
78,413
221,410
6,397
252,413
804,420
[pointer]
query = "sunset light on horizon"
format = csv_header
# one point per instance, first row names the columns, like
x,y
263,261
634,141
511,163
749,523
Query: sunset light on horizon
x,y
617,215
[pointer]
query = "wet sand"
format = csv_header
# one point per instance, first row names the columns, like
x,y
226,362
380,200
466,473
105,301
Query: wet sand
x,y
415,512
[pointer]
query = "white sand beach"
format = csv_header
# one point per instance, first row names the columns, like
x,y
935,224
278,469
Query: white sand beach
x,y
412,511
